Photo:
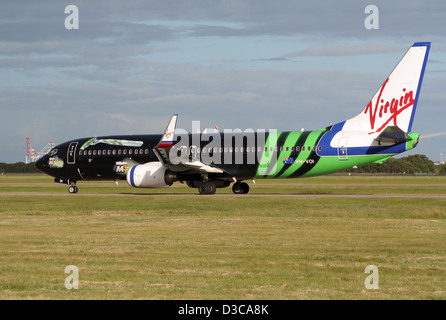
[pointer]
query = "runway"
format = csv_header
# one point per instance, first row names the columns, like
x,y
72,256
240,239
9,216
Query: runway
x,y
318,188
227,195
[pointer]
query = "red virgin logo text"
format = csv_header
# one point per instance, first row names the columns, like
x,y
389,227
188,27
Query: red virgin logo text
x,y
389,110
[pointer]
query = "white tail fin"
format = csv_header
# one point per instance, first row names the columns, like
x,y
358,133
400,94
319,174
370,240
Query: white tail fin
x,y
394,104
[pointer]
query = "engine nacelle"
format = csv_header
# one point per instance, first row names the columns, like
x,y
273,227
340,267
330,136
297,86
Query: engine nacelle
x,y
150,175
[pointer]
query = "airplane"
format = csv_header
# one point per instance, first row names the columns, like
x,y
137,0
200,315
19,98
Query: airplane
x,y
208,161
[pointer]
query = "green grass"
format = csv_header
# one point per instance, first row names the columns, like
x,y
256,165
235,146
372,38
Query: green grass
x,y
207,247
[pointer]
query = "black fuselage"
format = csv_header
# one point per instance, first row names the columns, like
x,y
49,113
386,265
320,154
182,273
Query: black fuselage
x,y
109,157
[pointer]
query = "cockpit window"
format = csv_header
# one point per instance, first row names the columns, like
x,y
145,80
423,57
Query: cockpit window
x,y
53,152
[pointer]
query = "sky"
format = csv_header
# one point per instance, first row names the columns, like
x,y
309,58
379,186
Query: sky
x,y
282,65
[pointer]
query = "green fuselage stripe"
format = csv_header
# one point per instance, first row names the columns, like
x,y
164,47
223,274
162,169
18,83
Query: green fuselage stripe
x,y
297,156
306,158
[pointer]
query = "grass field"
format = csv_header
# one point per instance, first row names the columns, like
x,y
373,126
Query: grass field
x,y
145,244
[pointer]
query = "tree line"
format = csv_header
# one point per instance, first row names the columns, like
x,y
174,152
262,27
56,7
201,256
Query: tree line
x,y
19,167
413,164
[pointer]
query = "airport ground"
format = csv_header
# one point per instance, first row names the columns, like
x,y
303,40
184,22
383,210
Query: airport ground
x,y
287,239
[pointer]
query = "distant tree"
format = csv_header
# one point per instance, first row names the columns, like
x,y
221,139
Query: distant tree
x,y
418,163
19,167
442,170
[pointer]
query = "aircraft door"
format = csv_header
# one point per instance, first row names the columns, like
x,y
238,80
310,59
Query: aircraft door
x,y
71,153
193,153
343,149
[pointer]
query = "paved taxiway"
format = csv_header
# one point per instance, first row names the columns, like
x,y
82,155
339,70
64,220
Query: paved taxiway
x,y
271,195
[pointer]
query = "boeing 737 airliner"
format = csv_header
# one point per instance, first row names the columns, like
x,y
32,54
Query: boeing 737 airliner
x,y
213,160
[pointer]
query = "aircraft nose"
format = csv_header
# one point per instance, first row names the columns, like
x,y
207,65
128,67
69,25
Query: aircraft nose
x,y
42,163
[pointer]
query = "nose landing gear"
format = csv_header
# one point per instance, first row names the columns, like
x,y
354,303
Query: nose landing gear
x,y
72,182
73,189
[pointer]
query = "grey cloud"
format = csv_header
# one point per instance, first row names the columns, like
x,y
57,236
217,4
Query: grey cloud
x,y
352,50
90,31
285,17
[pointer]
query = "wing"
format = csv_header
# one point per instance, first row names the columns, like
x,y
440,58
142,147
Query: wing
x,y
162,151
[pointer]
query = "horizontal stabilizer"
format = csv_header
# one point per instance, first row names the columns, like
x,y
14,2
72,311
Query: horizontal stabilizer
x,y
392,135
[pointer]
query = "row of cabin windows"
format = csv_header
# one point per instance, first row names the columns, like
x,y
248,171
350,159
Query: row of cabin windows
x,y
109,152
259,149
205,150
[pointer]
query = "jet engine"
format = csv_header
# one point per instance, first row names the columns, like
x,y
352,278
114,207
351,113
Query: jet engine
x,y
150,175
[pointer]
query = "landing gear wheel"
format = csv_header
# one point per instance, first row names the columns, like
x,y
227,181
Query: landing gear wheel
x,y
73,189
207,188
240,188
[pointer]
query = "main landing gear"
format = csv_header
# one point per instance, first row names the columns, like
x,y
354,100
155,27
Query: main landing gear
x,y
240,187
209,187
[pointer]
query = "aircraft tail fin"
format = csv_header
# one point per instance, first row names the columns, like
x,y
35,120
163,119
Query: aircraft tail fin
x,y
395,102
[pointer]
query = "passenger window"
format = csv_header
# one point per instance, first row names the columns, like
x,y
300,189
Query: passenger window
x,y
303,148
114,152
147,151
94,152
99,152
89,152
320,148
119,151
108,152
124,151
